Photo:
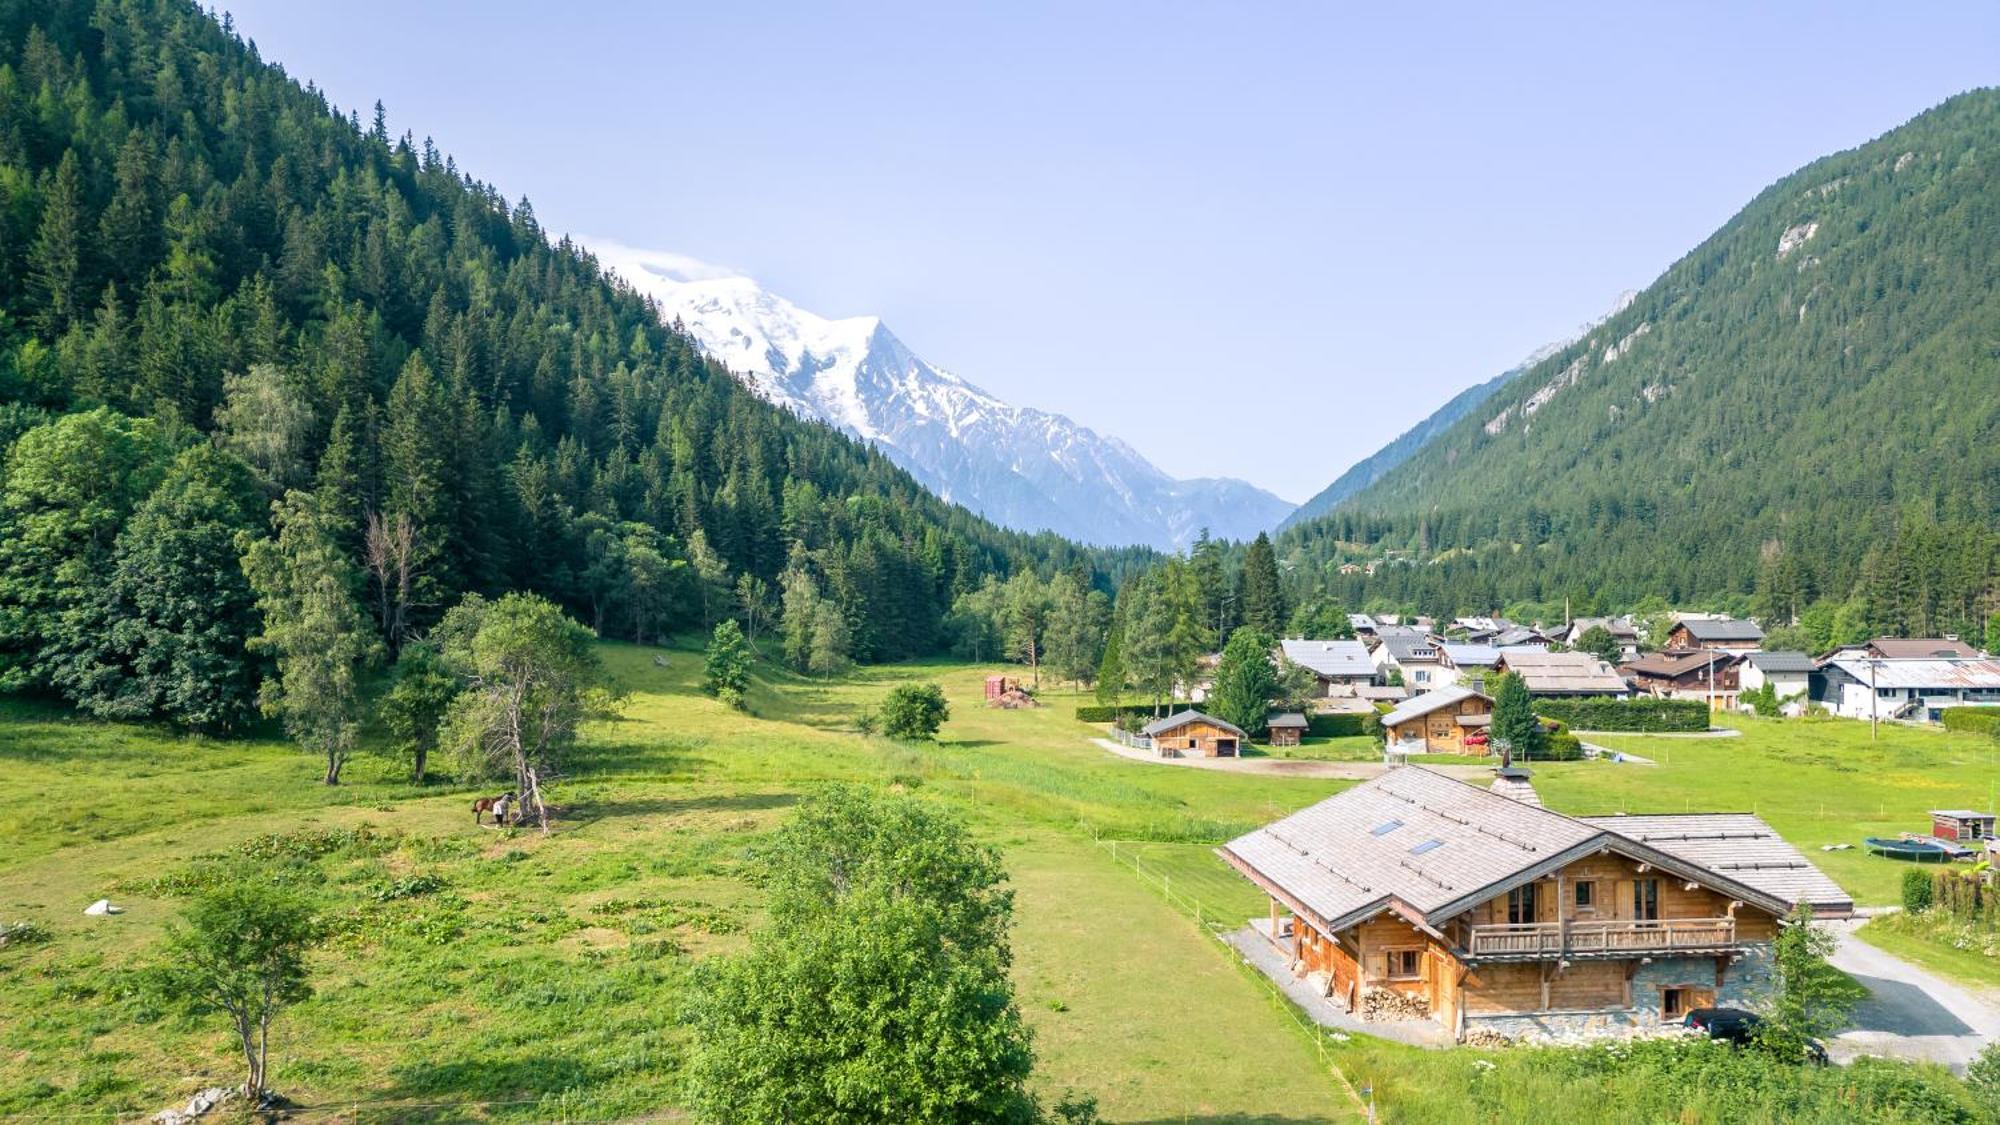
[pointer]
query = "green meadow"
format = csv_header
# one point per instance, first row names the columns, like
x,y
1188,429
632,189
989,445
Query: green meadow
x,y
475,973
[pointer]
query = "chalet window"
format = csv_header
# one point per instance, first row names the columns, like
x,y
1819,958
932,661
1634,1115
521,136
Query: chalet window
x,y
1586,895
1406,964
1521,905
1646,900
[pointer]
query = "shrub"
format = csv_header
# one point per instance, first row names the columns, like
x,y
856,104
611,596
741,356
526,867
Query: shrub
x,y
1916,891
1342,726
1983,1076
1973,720
914,712
1562,747
1637,715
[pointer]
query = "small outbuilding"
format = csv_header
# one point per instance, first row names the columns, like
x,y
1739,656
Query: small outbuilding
x,y
1961,824
1287,728
1191,734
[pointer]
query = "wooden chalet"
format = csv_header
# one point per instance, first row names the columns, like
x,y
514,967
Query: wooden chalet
x,y
1708,674
1287,728
1486,912
1449,720
1191,734
1715,632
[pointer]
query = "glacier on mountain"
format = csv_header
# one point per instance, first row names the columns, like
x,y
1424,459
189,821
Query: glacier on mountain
x,y
1021,467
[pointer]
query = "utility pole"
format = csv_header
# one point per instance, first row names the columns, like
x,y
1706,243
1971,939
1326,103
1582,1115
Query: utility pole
x,y
1874,705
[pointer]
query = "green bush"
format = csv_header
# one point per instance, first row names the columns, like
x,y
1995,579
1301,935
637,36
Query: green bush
x,y
1974,720
1563,747
1640,715
1916,891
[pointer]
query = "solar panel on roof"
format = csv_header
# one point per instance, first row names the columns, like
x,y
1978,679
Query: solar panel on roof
x,y
1385,828
1428,845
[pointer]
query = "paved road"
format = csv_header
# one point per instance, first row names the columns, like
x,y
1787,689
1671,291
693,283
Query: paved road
x,y
1910,1013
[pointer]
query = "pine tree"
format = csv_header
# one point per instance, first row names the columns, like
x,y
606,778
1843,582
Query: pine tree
x,y
55,259
1514,723
1261,598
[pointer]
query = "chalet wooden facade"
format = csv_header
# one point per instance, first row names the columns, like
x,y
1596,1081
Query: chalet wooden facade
x,y
1710,675
1450,720
1191,734
1480,911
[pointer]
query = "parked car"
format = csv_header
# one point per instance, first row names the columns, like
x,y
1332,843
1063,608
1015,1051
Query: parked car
x,y
1739,1028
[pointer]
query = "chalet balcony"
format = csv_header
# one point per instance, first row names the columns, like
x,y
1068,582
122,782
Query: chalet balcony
x,y
1535,941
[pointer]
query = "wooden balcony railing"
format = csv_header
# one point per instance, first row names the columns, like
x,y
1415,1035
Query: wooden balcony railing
x,y
1552,939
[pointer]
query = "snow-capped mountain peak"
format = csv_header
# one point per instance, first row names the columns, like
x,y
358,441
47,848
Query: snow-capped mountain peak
x,y
1021,467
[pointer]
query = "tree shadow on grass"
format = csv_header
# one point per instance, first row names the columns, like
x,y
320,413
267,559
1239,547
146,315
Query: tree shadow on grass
x,y
590,812
449,1089
1232,1119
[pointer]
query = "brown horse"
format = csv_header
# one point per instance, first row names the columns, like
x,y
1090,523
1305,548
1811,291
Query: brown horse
x,y
495,805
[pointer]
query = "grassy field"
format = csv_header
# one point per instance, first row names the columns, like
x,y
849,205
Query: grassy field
x,y
1940,943
1815,781
541,976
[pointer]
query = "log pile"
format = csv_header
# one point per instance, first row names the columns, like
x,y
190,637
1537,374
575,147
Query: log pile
x,y
1007,693
1383,1004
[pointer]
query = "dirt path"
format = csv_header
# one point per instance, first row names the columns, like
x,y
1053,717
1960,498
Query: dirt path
x,y
1279,767
1910,1013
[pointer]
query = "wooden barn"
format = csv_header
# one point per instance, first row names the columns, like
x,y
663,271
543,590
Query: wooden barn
x,y
1417,896
1191,734
1287,728
1961,824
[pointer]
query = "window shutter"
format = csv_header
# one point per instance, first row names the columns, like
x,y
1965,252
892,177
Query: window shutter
x,y
1624,898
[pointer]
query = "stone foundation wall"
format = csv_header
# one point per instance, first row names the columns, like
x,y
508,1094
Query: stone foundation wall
x,y
1747,984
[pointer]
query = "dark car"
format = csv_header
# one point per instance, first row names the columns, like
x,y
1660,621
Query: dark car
x,y
1739,1028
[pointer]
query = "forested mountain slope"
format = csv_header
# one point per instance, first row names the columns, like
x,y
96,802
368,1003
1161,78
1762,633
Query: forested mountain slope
x,y
1807,400
207,254
1407,444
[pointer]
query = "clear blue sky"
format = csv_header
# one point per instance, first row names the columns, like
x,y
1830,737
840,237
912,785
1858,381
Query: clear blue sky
x,y
1251,240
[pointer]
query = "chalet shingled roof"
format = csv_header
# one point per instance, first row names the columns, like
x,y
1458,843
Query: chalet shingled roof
x,y
1738,845
1433,847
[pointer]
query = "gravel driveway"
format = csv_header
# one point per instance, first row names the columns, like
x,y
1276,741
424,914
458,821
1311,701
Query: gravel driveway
x,y
1910,1013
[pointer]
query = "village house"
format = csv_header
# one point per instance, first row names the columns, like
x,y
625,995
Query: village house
x,y
1191,734
1467,663
1858,687
1484,913
1338,667
1910,648
1440,722
1477,630
1622,629
1414,658
1287,728
1518,636
1729,633
1789,675
1563,673
1706,674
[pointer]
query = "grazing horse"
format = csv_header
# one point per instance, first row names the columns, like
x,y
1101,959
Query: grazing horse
x,y
495,805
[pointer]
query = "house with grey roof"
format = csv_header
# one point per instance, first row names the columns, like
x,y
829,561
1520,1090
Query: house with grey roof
x,y
1731,633
1622,629
1860,687
1334,664
1413,658
1485,911
1563,673
1789,675
1191,734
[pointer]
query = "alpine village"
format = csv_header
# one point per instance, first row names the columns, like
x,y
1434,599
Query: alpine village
x,y
439,682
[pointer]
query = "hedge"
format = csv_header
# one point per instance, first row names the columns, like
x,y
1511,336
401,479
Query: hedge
x,y
1341,726
1602,712
1111,714
1974,720
1318,726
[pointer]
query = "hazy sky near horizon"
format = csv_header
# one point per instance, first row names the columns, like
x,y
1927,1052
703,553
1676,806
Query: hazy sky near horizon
x,y
1251,240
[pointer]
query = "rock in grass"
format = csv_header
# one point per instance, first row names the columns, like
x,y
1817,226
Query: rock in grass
x,y
102,907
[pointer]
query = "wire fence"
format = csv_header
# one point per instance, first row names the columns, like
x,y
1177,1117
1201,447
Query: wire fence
x,y
1214,924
